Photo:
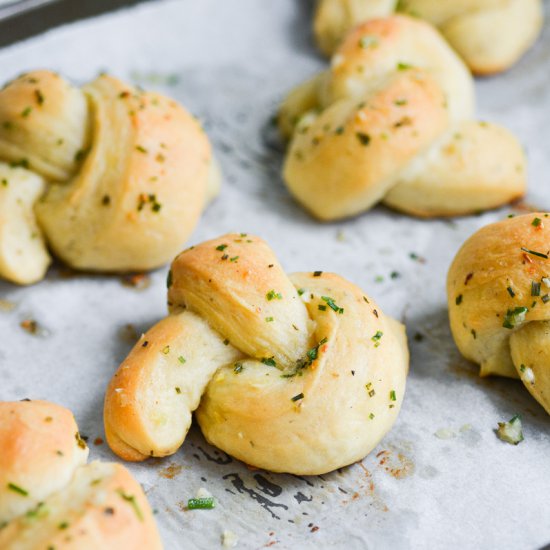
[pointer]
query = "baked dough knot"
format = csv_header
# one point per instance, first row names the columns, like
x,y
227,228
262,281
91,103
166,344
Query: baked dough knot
x,y
498,290
392,121
301,373
107,176
50,497
489,35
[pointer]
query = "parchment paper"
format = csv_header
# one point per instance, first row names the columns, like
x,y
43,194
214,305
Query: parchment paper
x,y
230,62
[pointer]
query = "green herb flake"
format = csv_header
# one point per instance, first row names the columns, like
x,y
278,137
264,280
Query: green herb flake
x,y
534,253
511,291
545,299
4,182
458,299
131,499
39,97
169,279
63,525
26,112
536,222
166,350
141,149
514,317
234,259
400,102
269,361
370,389
322,307
393,396
272,295
511,431
221,247
297,397
237,368
364,139
377,337
535,288
317,273
17,489
201,503
80,440
371,416
178,389
182,360
332,305
403,66
269,319
301,291
366,42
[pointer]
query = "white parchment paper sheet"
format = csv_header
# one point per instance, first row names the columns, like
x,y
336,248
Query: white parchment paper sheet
x,y
230,62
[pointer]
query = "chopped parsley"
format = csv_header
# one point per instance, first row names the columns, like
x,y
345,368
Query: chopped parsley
x,y
201,503
511,431
238,367
364,139
221,247
182,359
272,295
536,222
269,361
131,499
17,489
166,350
377,337
26,112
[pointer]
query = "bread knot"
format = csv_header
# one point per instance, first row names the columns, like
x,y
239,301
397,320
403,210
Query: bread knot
x,y
498,290
489,35
301,373
109,177
49,496
391,121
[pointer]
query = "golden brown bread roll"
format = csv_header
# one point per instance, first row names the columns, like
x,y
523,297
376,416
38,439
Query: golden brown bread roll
x,y
392,120
300,374
498,290
50,497
122,176
490,35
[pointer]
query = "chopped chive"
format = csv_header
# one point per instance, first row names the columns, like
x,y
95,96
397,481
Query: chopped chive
x,y
301,291
376,338
182,359
535,288
221,247
269,361
511,291
238,367
393,396
322,307
269,319
297,397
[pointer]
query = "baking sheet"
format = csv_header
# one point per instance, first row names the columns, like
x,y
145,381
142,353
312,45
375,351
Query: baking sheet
x,y
230,62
